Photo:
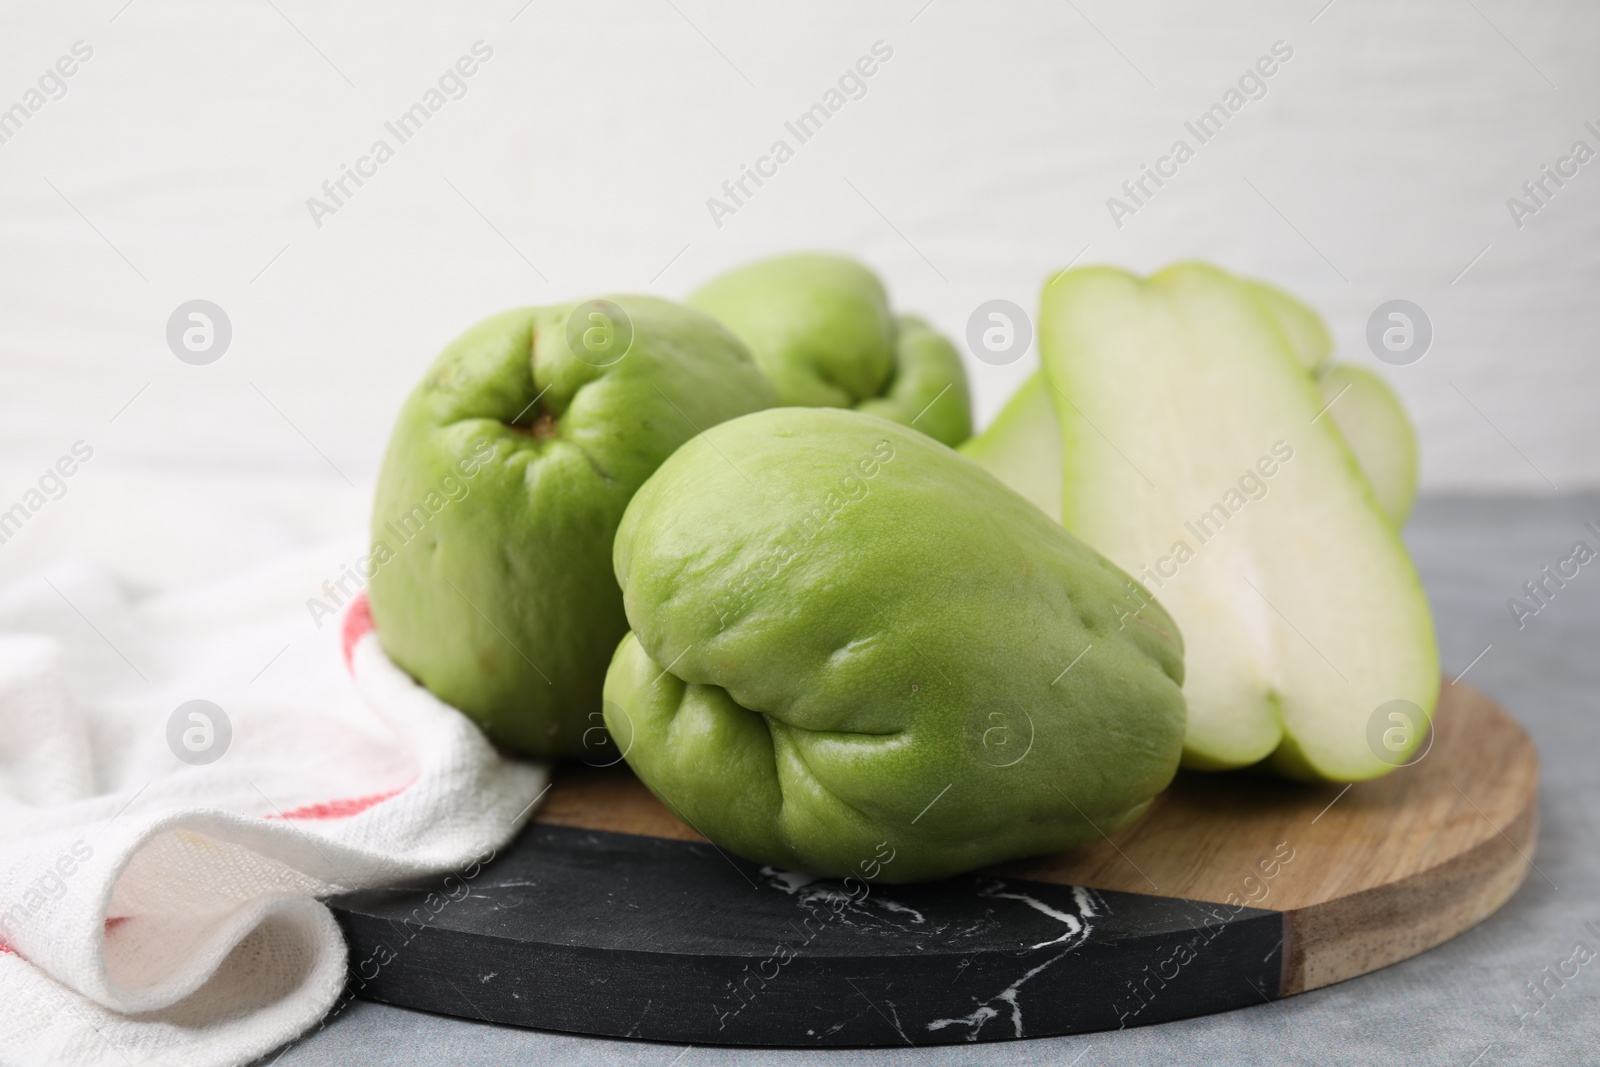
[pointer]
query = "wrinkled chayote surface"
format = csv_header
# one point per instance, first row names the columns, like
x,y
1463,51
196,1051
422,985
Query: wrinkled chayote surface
x,y
850,642
506,475
821,327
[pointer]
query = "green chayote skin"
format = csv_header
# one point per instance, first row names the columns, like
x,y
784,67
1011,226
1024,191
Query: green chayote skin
x,y
855,652
508,470
821,328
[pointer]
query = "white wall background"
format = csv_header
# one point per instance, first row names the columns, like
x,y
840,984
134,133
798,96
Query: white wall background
x,y
179,162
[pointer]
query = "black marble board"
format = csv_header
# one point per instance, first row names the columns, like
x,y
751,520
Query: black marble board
x,y
598,932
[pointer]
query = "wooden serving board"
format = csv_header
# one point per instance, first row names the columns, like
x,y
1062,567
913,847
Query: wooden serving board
x,y
610,916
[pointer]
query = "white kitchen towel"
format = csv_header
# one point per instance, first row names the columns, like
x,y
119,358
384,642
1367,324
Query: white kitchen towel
x,y
160,872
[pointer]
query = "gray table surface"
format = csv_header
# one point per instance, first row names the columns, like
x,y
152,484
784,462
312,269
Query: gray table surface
x,y
1458,1004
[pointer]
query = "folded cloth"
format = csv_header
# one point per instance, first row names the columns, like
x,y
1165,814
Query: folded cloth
x,y
182,776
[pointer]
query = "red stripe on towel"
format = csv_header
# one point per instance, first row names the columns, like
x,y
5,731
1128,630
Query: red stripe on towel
x,y
357,624
338,809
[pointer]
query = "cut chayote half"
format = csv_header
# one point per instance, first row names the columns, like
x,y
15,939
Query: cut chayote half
x,y
850,642
1193,426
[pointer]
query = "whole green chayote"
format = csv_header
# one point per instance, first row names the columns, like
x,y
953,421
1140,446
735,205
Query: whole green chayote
x,y
854,651
506,475
821,327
